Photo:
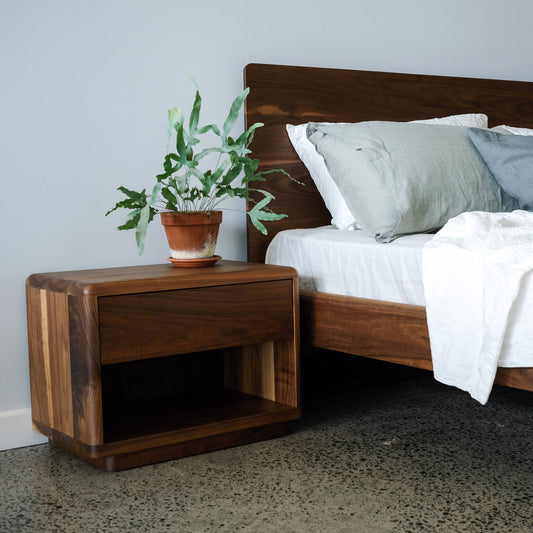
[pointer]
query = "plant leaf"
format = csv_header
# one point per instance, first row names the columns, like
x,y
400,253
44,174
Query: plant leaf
x,y
175,117
195,114
134,195
169,196
142,227
134,200
200,155
234,112
246,138
257,213
212,127
232,173
131,220
181,147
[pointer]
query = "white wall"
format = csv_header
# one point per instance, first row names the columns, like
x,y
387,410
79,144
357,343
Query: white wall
x,y
85,87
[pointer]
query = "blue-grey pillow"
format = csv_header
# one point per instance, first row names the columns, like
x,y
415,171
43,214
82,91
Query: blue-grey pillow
x,y
510,159
399,178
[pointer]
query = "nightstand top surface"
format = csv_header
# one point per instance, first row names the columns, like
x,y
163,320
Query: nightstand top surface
x,y
160,277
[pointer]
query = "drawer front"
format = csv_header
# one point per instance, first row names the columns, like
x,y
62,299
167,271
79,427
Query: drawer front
x,y
143,325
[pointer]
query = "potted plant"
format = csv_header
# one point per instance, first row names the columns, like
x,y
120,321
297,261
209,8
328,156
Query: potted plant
x,y
187,195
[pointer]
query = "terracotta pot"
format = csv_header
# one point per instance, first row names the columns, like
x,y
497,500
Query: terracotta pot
x,y
191,235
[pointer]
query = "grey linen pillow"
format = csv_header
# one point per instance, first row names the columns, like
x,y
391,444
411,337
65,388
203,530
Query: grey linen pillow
x,y
399,178
510,159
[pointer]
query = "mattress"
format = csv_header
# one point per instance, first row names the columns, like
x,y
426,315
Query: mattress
x,y
352,263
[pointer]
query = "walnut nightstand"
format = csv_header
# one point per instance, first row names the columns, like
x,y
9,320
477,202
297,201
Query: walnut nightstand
x,y
136,365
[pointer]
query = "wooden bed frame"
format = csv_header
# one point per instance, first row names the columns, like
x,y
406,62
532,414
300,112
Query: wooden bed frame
x,y
286,94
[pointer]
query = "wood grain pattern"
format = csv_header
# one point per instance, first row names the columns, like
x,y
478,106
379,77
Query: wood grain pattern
x,y
136,326
85,365
41,408
46,365
287,359
287,363
381,330
269,370
182,418
58,361
49,359
519,378
166,452
147,278
251,369
397,333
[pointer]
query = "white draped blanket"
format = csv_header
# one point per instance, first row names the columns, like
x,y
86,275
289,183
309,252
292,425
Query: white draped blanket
x,y
473,271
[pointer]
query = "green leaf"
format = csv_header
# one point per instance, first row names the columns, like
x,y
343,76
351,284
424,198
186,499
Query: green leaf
x,y
249,167
169,196
135,200
195,114
257,213
131,221
268,215
181,147
175,116
200,155
220,170
134,195
133,214
142,228
181,184
255,217
167,164
155,194
240,192
126,204
209,127
251,164
232,174
175,119
246,138
198,174
234,112
267,198
209,179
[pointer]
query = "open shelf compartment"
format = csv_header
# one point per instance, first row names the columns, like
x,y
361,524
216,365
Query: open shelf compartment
x,y
188,396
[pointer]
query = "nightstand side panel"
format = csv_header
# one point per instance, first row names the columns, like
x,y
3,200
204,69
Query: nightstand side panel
x,y
48,340
85,368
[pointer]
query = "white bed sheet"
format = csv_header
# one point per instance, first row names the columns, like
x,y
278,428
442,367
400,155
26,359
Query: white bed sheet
x,y
352,263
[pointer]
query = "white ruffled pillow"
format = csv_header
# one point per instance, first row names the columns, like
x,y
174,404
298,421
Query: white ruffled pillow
x,y
342,217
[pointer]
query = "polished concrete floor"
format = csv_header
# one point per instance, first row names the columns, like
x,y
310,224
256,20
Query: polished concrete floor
x,y
404,456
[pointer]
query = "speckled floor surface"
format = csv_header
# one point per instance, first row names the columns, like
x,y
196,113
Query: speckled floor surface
x,y
409,456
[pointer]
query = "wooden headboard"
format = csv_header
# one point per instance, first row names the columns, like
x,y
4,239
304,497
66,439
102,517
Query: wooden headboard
x,y
285,94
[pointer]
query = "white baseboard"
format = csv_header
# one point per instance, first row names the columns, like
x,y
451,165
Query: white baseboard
x,y
16,430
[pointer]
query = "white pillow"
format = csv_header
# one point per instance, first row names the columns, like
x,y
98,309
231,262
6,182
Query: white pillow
x,y
512,129
470,120
342,217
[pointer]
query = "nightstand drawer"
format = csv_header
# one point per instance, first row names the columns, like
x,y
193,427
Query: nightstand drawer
x,y
145,325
